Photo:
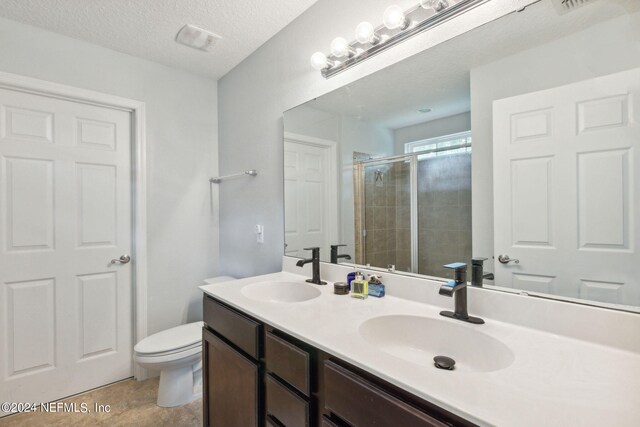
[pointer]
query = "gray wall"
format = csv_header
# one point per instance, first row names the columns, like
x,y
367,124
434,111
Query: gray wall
x,y
181,155
602,49
275,78
432,129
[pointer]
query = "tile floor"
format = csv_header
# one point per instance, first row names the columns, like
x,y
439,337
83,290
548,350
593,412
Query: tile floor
x,y
132,403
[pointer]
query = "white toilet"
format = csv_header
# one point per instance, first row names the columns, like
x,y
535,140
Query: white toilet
x,y
177,354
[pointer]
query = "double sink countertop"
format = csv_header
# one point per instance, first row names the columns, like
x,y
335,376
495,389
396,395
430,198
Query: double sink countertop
x,y
506,374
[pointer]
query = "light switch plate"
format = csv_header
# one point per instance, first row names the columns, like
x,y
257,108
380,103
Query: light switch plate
x,y
259,230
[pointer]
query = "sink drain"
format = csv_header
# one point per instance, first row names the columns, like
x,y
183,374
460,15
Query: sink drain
x,y
444,362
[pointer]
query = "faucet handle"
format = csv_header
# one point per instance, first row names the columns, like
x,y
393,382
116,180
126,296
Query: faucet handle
x,y
460,269
337,246
478,260
315,251
456,266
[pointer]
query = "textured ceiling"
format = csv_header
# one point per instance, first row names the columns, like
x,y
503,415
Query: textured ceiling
x,y
147,28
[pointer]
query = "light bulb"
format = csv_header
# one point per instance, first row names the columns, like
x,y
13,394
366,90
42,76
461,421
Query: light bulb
x,y
437,5
320,61
394,18
365,33
340,47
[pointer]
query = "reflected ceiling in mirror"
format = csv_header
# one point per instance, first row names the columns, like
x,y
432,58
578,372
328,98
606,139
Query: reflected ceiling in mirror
x,y
514,141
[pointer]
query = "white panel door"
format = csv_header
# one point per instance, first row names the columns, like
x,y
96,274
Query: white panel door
x,y
566,193
308,194
65,212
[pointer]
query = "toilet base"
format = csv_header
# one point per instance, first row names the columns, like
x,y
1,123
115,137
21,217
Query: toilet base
x,y
179,386
177,354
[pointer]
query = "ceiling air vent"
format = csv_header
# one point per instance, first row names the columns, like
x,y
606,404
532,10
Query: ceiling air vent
x,y
566,6
197,38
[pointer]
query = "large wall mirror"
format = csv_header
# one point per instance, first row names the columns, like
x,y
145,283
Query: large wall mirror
x,y
518,141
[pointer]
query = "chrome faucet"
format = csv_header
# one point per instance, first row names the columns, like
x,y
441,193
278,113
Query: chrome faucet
x,y
335,256
458,290
315,259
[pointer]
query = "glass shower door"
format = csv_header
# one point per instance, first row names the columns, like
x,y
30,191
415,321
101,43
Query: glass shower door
x,y
383,214
444,212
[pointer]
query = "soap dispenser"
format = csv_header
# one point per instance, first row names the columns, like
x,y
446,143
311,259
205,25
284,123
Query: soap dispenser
x,y
359,287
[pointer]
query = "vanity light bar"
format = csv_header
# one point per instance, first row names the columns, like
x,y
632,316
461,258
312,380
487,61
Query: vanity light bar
x,y
404,25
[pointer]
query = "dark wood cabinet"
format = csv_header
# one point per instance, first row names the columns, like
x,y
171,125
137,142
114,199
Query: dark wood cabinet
x,y
231,385
358,401
255,375
233,388
286,406
242,331
288,362
289,385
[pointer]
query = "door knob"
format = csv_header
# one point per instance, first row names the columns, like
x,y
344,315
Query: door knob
x,y
504,259
124,259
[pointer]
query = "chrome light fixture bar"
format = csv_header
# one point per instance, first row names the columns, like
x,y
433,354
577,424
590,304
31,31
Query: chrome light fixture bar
x,y
398,27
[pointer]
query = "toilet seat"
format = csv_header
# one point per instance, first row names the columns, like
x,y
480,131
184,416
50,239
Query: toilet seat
x,y
154,360
197,346
180,341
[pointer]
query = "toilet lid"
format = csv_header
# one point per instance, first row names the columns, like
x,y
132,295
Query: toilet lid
x,y
172,339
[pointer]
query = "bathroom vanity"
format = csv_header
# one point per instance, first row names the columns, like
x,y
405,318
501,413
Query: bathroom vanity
x,y
279,351
256,374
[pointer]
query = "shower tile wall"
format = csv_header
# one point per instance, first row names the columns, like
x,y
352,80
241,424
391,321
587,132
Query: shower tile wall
x,y
444,213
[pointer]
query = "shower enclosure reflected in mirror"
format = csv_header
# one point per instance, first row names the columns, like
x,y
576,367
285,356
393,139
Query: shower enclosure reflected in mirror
x,y
517,140
413,211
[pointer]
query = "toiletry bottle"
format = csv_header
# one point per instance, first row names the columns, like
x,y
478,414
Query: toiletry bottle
x,y
352,276
359,287
376,287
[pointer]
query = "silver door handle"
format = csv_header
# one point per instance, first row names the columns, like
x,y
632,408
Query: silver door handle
x,y
504,259
124,259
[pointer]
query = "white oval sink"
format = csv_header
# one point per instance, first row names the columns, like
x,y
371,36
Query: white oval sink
x,y
280,291
418,339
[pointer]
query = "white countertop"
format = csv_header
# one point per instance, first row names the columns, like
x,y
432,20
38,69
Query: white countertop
x,y
554,379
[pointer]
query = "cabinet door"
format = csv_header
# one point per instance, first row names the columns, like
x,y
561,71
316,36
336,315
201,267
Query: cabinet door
x,y
231,385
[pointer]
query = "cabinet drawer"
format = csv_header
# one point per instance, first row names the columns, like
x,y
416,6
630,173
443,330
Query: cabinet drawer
x,y
239,329
288,408
362,403
288,362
